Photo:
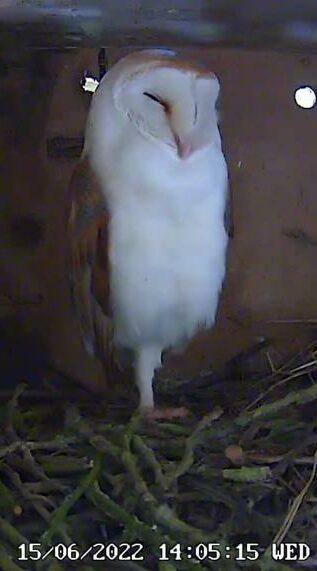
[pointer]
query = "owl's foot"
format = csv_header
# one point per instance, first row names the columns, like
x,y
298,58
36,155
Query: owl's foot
x,y
167,414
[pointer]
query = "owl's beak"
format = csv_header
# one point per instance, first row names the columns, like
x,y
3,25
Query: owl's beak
x,y
189,144
184,147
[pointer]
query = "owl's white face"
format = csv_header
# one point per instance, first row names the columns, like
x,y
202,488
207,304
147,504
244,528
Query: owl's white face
x,y
174,106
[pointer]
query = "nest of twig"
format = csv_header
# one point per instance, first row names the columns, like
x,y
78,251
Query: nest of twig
x,y
239,469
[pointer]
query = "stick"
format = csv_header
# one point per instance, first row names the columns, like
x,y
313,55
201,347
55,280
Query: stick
x,y
143,532
6,563
294,397
151,460
188,457
12,405
11,533
296,505
60,514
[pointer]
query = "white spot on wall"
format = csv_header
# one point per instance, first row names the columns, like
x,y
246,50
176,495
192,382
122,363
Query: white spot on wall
x,y
305,97
89,84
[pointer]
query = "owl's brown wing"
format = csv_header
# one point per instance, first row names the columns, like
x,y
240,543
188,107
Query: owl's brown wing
x,y
88,222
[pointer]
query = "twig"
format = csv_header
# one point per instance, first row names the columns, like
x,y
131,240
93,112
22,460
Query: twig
x,y
160,513
59,516
11,407
269,358
150,458
192,440
34,445
278,385
63,464
142,530
34,500
31,465
151,536
302,396
11,533
7,500
47,487
262,459
247,474
104,445
6,563
295,506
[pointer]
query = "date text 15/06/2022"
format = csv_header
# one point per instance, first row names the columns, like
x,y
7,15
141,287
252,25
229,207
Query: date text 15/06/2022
x,y
166,552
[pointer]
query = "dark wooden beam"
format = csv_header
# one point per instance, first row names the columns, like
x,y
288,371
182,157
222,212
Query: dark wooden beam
x,y
257,24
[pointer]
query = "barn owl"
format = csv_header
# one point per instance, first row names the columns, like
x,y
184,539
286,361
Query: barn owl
x,y
146,218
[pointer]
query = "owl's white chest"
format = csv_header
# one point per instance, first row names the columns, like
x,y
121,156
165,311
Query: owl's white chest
x,y
167,267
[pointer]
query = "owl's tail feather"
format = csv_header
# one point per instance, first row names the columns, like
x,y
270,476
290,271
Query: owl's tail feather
x,y
95,326
148,358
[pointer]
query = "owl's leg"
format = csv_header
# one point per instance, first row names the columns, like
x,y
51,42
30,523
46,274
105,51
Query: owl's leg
x,y
148,358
